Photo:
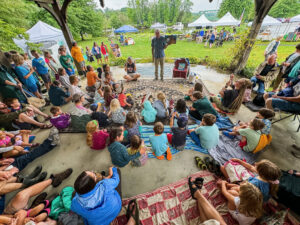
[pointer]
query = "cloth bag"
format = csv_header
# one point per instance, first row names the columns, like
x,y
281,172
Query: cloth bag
x,y
236,172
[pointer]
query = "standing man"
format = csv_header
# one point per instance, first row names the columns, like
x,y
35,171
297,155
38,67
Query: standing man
x,y
158,55
272,47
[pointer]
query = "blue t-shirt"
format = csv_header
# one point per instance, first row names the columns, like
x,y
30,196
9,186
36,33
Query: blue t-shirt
x,y
201,33
40,65
22,72
159,45
159,144
264,187
208,135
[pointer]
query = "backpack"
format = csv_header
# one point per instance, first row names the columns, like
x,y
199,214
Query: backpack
x,y
259,100
236,172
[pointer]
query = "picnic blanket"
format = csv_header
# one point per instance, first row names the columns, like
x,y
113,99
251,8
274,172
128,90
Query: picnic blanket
x,y
228,149
172,204
147,131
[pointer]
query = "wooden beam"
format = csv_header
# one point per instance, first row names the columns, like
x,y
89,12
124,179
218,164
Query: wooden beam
x,y
51,11
44,1
64,8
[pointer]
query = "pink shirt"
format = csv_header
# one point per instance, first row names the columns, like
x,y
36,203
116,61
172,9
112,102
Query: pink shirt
x,y
5,141
99,140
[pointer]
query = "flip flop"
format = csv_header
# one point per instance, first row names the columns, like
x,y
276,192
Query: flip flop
x,y
129,211
192,189
200,164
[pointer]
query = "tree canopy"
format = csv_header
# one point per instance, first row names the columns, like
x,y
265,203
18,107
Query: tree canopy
x,y
236,7
285,8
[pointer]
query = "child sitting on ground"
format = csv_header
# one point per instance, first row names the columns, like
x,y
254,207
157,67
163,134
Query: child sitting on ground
x,y
79,109
108,95
21,139
201,105
132,125
197,87
207,134
60,120
117,113
266,177
159,142
161,105
180,111
101,117
96,139
110,81
148,112
137,145
118,152
245,207
125,101
178,137
64,78
99,94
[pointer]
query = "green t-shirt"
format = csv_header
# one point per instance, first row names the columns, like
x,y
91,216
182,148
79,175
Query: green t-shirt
x,y
204,106
208,135
252,137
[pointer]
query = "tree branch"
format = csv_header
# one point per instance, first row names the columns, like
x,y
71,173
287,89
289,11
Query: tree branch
x,y
64,8
43,1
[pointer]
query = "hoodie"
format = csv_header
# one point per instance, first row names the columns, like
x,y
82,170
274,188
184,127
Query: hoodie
x,y
101,205
149,113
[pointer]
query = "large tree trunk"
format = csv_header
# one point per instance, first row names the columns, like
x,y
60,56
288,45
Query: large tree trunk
x,y
239,61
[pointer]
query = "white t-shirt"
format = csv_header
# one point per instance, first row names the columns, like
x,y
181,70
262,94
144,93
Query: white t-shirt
x,y
75,89
241,218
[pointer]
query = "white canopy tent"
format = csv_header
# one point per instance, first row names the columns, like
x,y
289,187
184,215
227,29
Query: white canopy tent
x,y
201,21
268,21
227,20
295,19
41,33
158,26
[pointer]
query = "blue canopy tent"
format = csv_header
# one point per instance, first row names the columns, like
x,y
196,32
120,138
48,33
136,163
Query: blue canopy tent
x,y
126,29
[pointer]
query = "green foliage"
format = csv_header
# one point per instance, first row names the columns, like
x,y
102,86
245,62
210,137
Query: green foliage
x,y
285,8
194,60
236,7
119,61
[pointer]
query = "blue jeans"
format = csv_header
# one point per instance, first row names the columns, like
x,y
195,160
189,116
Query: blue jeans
x,y
22,161
261,85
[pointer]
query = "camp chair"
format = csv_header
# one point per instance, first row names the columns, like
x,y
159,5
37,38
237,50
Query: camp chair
x,y
290,114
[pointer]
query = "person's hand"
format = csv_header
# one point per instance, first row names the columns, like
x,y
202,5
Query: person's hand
x,y
173,115
129,105
4,175
287,64
258,76
110,171
19,85
142,151
275,96
18,148
70,69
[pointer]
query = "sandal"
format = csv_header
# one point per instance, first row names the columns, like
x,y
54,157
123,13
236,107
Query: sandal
x,y
193,190
129,211
47,211
199,182
200,164
216,167
209,164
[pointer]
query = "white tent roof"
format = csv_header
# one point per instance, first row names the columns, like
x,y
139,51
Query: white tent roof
x,y
158,26
227,20
201,21
268,21
295,19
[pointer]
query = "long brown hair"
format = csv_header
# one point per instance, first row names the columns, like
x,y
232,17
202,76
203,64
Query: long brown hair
x,y
251,200
91,128
107,92
130,119
269,172
236,104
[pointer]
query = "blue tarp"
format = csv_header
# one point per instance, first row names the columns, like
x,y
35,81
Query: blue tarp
x,y
126,29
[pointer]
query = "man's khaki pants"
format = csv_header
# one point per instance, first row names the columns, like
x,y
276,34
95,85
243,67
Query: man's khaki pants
x,y
160,61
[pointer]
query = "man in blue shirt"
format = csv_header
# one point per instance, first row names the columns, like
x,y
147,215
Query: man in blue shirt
x,y
158,55
57,96
41,68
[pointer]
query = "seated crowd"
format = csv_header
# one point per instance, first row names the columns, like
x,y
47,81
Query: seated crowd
x,y
105,111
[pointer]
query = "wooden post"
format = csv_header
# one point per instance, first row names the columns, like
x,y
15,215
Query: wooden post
x,y
59,13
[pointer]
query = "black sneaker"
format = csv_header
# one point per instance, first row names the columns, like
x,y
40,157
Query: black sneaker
x,y
58,178
38,200
29,182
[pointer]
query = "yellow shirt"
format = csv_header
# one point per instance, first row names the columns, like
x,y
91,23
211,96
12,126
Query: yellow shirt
x,y
76,54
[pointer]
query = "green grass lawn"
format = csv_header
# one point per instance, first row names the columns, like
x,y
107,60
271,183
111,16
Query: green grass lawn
x,y
142,49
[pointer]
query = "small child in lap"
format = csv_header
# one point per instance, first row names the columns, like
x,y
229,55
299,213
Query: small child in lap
x,y
96,138
132,125
266,177
20,139
159,142
60,120
178,137
245,207
117,113
137,145
118,152
208,132
180,111
197,87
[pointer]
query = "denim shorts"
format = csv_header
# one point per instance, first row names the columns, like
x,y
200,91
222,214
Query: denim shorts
x,y
46,77
286,106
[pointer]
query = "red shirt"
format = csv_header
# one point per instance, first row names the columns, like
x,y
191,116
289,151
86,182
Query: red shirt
x,y
103,49
122,98
99,140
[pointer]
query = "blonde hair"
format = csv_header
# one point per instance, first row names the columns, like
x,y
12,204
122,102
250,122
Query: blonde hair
x,y
114,105
161,97
18,59
251,200
91,128
236,104
269,172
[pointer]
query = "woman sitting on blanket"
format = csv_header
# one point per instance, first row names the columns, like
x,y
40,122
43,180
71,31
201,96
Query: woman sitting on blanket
x,y
231,100
264,175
